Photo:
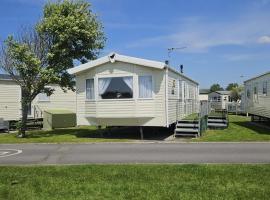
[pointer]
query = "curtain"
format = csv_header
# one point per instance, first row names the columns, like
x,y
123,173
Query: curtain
x,y
129,81
90,92
103,84
145,86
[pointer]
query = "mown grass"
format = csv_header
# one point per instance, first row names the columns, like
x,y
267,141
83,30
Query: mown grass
x,y
78,134
136,182
193,116
240,129
87,134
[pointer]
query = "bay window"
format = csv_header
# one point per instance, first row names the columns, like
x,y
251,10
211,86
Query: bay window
x,y
115,87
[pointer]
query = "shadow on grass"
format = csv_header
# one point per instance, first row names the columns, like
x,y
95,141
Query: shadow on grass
x,y
150,133
254,127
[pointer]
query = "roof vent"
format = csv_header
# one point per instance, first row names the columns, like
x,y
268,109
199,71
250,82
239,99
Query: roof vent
x,y
112,57
181,69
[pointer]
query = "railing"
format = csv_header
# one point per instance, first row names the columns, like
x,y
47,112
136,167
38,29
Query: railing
x,y
37,112
234,107
204,110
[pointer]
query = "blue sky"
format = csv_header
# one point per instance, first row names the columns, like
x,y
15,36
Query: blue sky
x,y
225,39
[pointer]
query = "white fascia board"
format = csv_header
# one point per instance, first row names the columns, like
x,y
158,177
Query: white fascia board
x,y
140,61
266,73
112,57
89,65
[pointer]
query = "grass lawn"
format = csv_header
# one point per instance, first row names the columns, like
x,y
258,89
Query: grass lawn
x,y
86,134
240,129
135,182
78,134
193,116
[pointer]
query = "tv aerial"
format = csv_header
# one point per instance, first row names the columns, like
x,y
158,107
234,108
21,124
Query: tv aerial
x,y
170,50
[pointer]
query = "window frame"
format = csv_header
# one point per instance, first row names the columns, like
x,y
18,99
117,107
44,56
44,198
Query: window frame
x,y
93,99
264,88
44,100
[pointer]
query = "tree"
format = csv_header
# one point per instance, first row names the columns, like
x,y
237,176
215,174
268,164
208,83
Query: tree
x,y
231,86
215,87
41,55
236,93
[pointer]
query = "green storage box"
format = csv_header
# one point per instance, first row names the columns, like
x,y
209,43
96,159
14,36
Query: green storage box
x,y
58,119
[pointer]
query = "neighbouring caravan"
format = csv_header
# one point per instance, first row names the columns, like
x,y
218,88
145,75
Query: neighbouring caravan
x,y
257,96
118,90
203,95
219,99
10,100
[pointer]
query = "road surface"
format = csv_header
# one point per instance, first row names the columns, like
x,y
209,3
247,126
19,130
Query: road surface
x,y
29,154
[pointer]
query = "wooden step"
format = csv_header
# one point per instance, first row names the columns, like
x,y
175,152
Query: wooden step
x,y
182,125
186,134
187,130
218,125
217,120
188,121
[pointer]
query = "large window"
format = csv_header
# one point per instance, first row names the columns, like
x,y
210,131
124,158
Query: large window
x,y
90,91
115,87
145,87
265,88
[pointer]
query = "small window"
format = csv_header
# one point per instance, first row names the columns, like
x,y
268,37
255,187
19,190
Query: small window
x,y
145,87
248,93
43,97
180,89
90,91
115,87
265,88
255,90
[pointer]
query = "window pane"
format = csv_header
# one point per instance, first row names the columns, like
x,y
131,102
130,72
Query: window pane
x,y
43,97
145,87
180,89
90,91
265,87
116,87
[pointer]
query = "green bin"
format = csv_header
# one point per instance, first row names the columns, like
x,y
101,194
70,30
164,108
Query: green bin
x,y
58,119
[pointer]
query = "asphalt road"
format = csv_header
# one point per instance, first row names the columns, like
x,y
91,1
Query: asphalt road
x,y
134,153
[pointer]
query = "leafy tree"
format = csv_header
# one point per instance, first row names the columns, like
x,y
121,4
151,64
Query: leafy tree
x,y
215,87
41,55
236,93
231,86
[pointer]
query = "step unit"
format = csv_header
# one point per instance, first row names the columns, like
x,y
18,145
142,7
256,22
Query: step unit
x,y
187,128
216,122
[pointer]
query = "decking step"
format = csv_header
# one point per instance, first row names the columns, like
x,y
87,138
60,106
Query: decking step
x,y
187,134
216,125
188,121
187,125
187,130
218,120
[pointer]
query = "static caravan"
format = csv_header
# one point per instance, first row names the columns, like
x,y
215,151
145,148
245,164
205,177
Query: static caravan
x,y
203,96
257,96
10,100
118,90
219,99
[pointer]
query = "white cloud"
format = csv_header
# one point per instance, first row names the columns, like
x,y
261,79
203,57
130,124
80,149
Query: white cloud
x,y
264,39
199,34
